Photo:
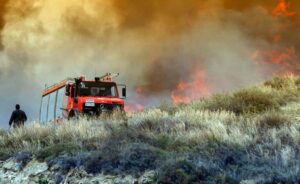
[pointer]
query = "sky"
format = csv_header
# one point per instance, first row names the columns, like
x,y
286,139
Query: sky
x,y
170,50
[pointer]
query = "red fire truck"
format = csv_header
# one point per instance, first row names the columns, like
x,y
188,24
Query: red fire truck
x,y
75,96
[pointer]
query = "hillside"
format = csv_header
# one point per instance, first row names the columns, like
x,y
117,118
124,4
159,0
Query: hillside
x,y
248,136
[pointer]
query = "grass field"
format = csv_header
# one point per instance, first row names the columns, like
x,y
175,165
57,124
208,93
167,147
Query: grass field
x,y
250,134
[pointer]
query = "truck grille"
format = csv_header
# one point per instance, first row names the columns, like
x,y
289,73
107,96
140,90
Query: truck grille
x,y
100,108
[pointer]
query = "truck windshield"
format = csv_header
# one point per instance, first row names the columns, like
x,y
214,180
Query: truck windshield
x,y
99,89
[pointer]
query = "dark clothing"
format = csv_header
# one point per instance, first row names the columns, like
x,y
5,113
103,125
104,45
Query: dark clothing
x,y
18,117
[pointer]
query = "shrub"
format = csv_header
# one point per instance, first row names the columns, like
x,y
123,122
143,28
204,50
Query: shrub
x,y
280,83
273,120
139,158
166,106
42,181
218,102
285,89
243,102
65,162
4,155
133,159
98,162
181,172
297,81
253,101
222,155
56,150
162,141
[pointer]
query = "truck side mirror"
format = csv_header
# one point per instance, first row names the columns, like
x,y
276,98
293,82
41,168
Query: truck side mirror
x,y
124,92
67,90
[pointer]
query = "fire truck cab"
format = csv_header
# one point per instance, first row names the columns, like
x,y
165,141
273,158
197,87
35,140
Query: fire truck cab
x,y
75,96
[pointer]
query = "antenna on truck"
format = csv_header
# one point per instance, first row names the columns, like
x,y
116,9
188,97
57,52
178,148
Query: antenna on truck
x,y
109,76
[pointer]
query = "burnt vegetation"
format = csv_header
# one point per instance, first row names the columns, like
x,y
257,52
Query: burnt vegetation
x,y
251,134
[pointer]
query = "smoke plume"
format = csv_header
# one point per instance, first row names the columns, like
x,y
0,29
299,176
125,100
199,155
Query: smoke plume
x,y
172,49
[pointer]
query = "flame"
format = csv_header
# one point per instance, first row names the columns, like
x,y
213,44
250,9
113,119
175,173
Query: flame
x,y
279,59
282,9
284,60
135,104
132,106
186,91
284,57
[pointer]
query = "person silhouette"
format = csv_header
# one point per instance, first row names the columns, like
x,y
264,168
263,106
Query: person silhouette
x,y
18,117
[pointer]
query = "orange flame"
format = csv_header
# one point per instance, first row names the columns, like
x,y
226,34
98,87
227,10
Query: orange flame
x,y
185,92
285,56
282,9
135,104
134,107
284,59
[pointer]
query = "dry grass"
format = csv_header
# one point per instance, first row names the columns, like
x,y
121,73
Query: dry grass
x,y
208,133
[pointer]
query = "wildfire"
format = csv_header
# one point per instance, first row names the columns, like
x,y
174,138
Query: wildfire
x,y
136,103
282,9
186,91
284,59
133,107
